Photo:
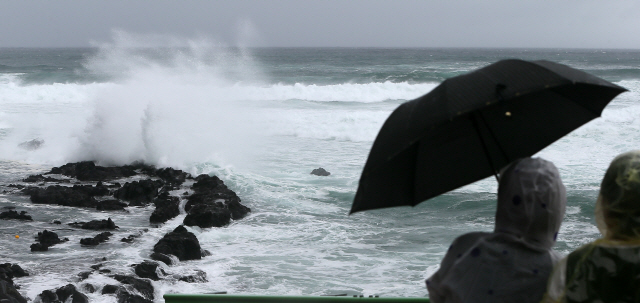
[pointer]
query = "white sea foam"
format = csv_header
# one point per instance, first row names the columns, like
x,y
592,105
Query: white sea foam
x,y
194,105
350,92
211,111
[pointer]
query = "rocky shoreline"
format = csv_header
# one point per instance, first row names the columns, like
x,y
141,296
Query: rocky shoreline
x,y
209,204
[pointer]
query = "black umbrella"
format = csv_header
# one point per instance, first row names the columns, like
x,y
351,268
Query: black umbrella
x,y
472,125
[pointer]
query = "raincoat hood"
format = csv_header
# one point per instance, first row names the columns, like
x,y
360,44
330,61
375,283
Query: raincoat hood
x,y
606,270
531,202
618,205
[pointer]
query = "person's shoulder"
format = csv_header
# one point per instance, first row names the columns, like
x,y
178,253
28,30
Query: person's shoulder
x,y
469,239
473,236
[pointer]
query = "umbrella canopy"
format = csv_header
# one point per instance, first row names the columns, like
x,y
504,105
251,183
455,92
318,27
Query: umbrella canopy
x,y
472,125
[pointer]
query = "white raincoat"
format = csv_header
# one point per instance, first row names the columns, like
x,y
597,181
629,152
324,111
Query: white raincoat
x,y
513,263
608,269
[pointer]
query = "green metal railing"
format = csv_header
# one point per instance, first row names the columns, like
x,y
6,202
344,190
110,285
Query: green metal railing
x,y
181,298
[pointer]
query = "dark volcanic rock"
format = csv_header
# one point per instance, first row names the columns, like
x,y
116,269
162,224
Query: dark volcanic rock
x,y
12,214
9,293
206,183
199,277
70,291
17,271
49,238
129,238
62,294
139,193
180,243
41,178
61,195
143,286
211,190
214,214
167,207
96,224
88,171
124,296
111,205
9,271
320,172
101,237
138,166
172,176
150,270
162,258
38,247
110,289
84,275
46,239
98,190
48,296
89,288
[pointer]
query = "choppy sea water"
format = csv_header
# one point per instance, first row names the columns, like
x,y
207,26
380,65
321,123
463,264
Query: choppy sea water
x,y
262,119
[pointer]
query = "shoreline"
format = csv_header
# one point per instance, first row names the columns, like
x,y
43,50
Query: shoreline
x,y
204,200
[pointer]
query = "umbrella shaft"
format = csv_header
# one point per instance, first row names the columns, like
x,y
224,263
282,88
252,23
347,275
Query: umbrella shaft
x,y
474,118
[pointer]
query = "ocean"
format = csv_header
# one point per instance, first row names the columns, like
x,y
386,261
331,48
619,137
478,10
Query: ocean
x,y
262,119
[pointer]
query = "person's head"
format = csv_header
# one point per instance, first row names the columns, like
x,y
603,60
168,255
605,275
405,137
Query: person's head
x,y
618,205
531,202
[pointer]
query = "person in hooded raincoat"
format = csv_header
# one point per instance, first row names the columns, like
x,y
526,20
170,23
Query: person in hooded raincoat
x,y
513,263
608,269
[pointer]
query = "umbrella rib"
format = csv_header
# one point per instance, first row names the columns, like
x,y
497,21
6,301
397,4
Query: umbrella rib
x,y
493,136
484,145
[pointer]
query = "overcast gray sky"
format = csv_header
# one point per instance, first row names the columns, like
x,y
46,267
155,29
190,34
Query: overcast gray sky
x,y
348,23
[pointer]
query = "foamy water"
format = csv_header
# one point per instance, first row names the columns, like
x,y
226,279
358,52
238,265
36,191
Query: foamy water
x,y
205,109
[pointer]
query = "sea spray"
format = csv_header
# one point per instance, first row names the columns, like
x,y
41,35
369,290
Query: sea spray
x,y
169,106
310,108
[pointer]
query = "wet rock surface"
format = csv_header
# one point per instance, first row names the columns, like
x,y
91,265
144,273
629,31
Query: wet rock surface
x,y
101,237
61,195
180,243
320,172
96,224
139,193
110,289
142,286
67,293
41,178
12,214
88,171
199,277
45,240
11,270
213,204
172,176
123,296
167,207
208,215
150,270
208,203
111,205
8,290
166,259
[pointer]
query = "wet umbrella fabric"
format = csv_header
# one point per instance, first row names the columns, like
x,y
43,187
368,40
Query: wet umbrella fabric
x,y
472,125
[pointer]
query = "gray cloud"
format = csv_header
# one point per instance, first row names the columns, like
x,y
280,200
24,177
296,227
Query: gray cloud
x,y
353,23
